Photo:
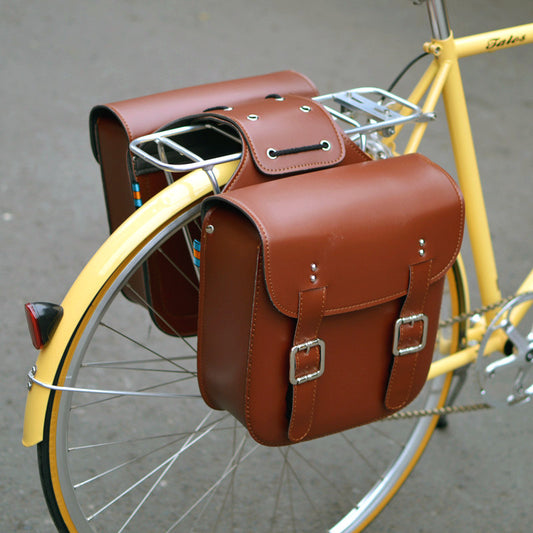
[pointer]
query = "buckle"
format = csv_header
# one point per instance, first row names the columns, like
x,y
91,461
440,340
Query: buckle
x,y
410,320
292,361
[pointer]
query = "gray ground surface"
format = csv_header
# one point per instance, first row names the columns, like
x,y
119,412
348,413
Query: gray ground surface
x,y
60,57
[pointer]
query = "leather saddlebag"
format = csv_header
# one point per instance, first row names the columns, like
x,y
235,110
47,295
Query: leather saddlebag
x,y
171,300
320,295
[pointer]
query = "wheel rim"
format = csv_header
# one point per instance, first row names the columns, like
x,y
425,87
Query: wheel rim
x,y
211,476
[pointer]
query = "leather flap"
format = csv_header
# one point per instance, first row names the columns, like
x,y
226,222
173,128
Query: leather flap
x,y
354,229
143,115
287,134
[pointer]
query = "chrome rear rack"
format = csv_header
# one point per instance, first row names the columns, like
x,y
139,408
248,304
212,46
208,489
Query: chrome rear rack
x,y
359,112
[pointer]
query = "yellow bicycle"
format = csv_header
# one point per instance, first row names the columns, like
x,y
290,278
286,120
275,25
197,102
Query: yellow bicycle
x,y
124,440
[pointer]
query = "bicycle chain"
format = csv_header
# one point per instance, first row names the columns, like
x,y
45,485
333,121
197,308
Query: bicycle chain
x,y
452,409
479,311
438,411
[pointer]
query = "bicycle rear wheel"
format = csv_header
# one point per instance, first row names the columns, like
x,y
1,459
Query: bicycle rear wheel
x,y
132,446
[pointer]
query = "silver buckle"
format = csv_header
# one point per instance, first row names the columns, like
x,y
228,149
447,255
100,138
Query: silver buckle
x,y
300,348
410,320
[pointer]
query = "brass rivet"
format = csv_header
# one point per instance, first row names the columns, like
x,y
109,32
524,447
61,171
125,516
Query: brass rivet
x,y
422,242
312,278
314,267
422,252
210,228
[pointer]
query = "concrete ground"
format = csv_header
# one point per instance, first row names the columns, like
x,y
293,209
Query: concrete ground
x,y
60,57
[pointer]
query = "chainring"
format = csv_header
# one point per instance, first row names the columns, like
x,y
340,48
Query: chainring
x,y
495,371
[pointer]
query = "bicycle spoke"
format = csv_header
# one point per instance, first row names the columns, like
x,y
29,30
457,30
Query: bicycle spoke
x,y
230,492
140,392
130,488
147,348
162,319
170,459
193,283
385,435
232,462
118,365
126,463
291,504
315,469
153,487
141,369
180,436
213,487
359,453
304,491
279,488
124,441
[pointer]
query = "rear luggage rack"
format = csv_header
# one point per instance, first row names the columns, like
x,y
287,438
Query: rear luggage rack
x,y
359,112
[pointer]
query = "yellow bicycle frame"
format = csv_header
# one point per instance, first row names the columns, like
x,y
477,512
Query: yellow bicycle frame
x,y
441,78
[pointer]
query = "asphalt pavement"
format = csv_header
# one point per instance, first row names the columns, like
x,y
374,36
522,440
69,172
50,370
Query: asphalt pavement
x,y
60,57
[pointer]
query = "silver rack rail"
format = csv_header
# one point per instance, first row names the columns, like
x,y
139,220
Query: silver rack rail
x,y
359,112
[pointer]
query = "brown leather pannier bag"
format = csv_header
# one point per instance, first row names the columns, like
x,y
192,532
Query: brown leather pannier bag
x,y
320,295
171,300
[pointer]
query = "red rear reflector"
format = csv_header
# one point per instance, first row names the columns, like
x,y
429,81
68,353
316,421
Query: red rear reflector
x,y
33,326
42,318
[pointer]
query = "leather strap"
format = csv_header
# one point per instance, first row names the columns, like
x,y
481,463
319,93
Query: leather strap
x,y
310,312
410,335
300,131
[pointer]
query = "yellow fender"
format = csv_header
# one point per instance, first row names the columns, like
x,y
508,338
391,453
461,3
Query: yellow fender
x,y
135,230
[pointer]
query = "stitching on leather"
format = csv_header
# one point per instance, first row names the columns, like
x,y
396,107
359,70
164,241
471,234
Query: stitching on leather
x,y
314,383
201,379
124,121
294,167
327,162
389,397
268,271
242,167
255,307
295,394
350,145
459,195
417,354
367,303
